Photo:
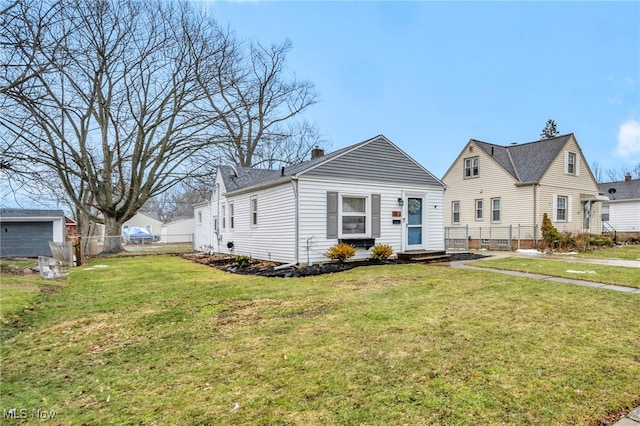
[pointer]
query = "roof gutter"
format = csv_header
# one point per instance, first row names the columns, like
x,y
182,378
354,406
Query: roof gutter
x,y
256,187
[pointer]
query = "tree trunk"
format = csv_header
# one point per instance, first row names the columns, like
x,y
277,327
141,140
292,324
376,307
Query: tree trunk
x,y
113,236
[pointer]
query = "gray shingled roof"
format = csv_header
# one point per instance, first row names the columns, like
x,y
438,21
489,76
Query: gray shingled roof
x,y
19,213
624,190
240,177
526,162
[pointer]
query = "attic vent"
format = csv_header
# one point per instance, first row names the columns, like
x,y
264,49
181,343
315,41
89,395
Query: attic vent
x,y
471,149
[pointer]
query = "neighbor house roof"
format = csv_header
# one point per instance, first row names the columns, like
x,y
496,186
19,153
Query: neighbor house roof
x,y
20,213
621,190
527,162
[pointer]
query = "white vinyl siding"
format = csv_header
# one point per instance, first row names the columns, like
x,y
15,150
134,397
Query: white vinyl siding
x,y
274,237
624,215
313,241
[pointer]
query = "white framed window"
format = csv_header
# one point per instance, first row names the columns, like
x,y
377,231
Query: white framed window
x,y
455,212
254,211
479,207
223,210
495,210
561,208
199,217
231,216
571,163
354,221
471,167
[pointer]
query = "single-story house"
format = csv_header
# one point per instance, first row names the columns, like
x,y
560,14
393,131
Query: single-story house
x,y
178,231
27,232
497,193
622,211
365,194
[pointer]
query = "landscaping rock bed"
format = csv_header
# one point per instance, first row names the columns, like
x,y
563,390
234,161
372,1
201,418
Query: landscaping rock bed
x,y
263,268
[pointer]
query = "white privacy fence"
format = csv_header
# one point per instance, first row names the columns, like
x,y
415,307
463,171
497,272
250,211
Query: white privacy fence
x,y
465,238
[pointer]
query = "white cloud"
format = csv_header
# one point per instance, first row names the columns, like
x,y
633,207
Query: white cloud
x,y
629,140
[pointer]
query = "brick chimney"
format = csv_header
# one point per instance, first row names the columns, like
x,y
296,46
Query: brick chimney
x,y
627,177
317,152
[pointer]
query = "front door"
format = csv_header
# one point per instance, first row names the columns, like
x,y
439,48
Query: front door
x,y
415,225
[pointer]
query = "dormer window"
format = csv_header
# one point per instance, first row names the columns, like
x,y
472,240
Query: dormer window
x,y
471,167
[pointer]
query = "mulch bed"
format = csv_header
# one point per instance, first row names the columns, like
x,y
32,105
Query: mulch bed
x,y
263,268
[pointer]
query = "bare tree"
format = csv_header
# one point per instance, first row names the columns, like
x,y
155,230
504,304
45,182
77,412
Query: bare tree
x,y
178,201
110,104
256,101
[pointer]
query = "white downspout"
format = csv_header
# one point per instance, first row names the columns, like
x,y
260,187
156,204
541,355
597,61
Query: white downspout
x,y
294,183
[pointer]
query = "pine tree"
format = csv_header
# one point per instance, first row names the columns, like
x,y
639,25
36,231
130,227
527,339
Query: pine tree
x,y
549,130
549,232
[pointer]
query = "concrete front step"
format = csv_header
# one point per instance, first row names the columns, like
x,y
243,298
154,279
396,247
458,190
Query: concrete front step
x,y
424,256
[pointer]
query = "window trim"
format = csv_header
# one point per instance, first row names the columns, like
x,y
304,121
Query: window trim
x,y
253,203
231,216
480,210
368,217
493,210
223,208
473,169
565,200
455,205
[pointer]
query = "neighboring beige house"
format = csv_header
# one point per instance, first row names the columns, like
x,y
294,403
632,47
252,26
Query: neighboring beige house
x,y
144,221
500,193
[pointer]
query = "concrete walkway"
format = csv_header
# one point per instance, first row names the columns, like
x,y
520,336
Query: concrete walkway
x,y
468,264
631,419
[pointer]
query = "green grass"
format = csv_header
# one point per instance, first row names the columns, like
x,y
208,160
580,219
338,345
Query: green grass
x,y
629,252
616,275
160,340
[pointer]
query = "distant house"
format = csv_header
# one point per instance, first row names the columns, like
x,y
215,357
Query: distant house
x,y
178,231
621,212
364,194
500,193
146,221
26,232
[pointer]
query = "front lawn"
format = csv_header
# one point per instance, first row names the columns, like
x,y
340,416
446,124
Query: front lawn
x,y
159,340
616,275
628,252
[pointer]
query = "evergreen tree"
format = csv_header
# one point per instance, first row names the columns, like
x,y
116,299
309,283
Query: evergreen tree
x,y
549,130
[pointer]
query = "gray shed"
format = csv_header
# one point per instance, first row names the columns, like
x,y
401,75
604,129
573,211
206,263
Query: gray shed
x,y
27,232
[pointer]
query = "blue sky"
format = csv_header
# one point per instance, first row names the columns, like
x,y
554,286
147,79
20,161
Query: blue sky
x,y
432,75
